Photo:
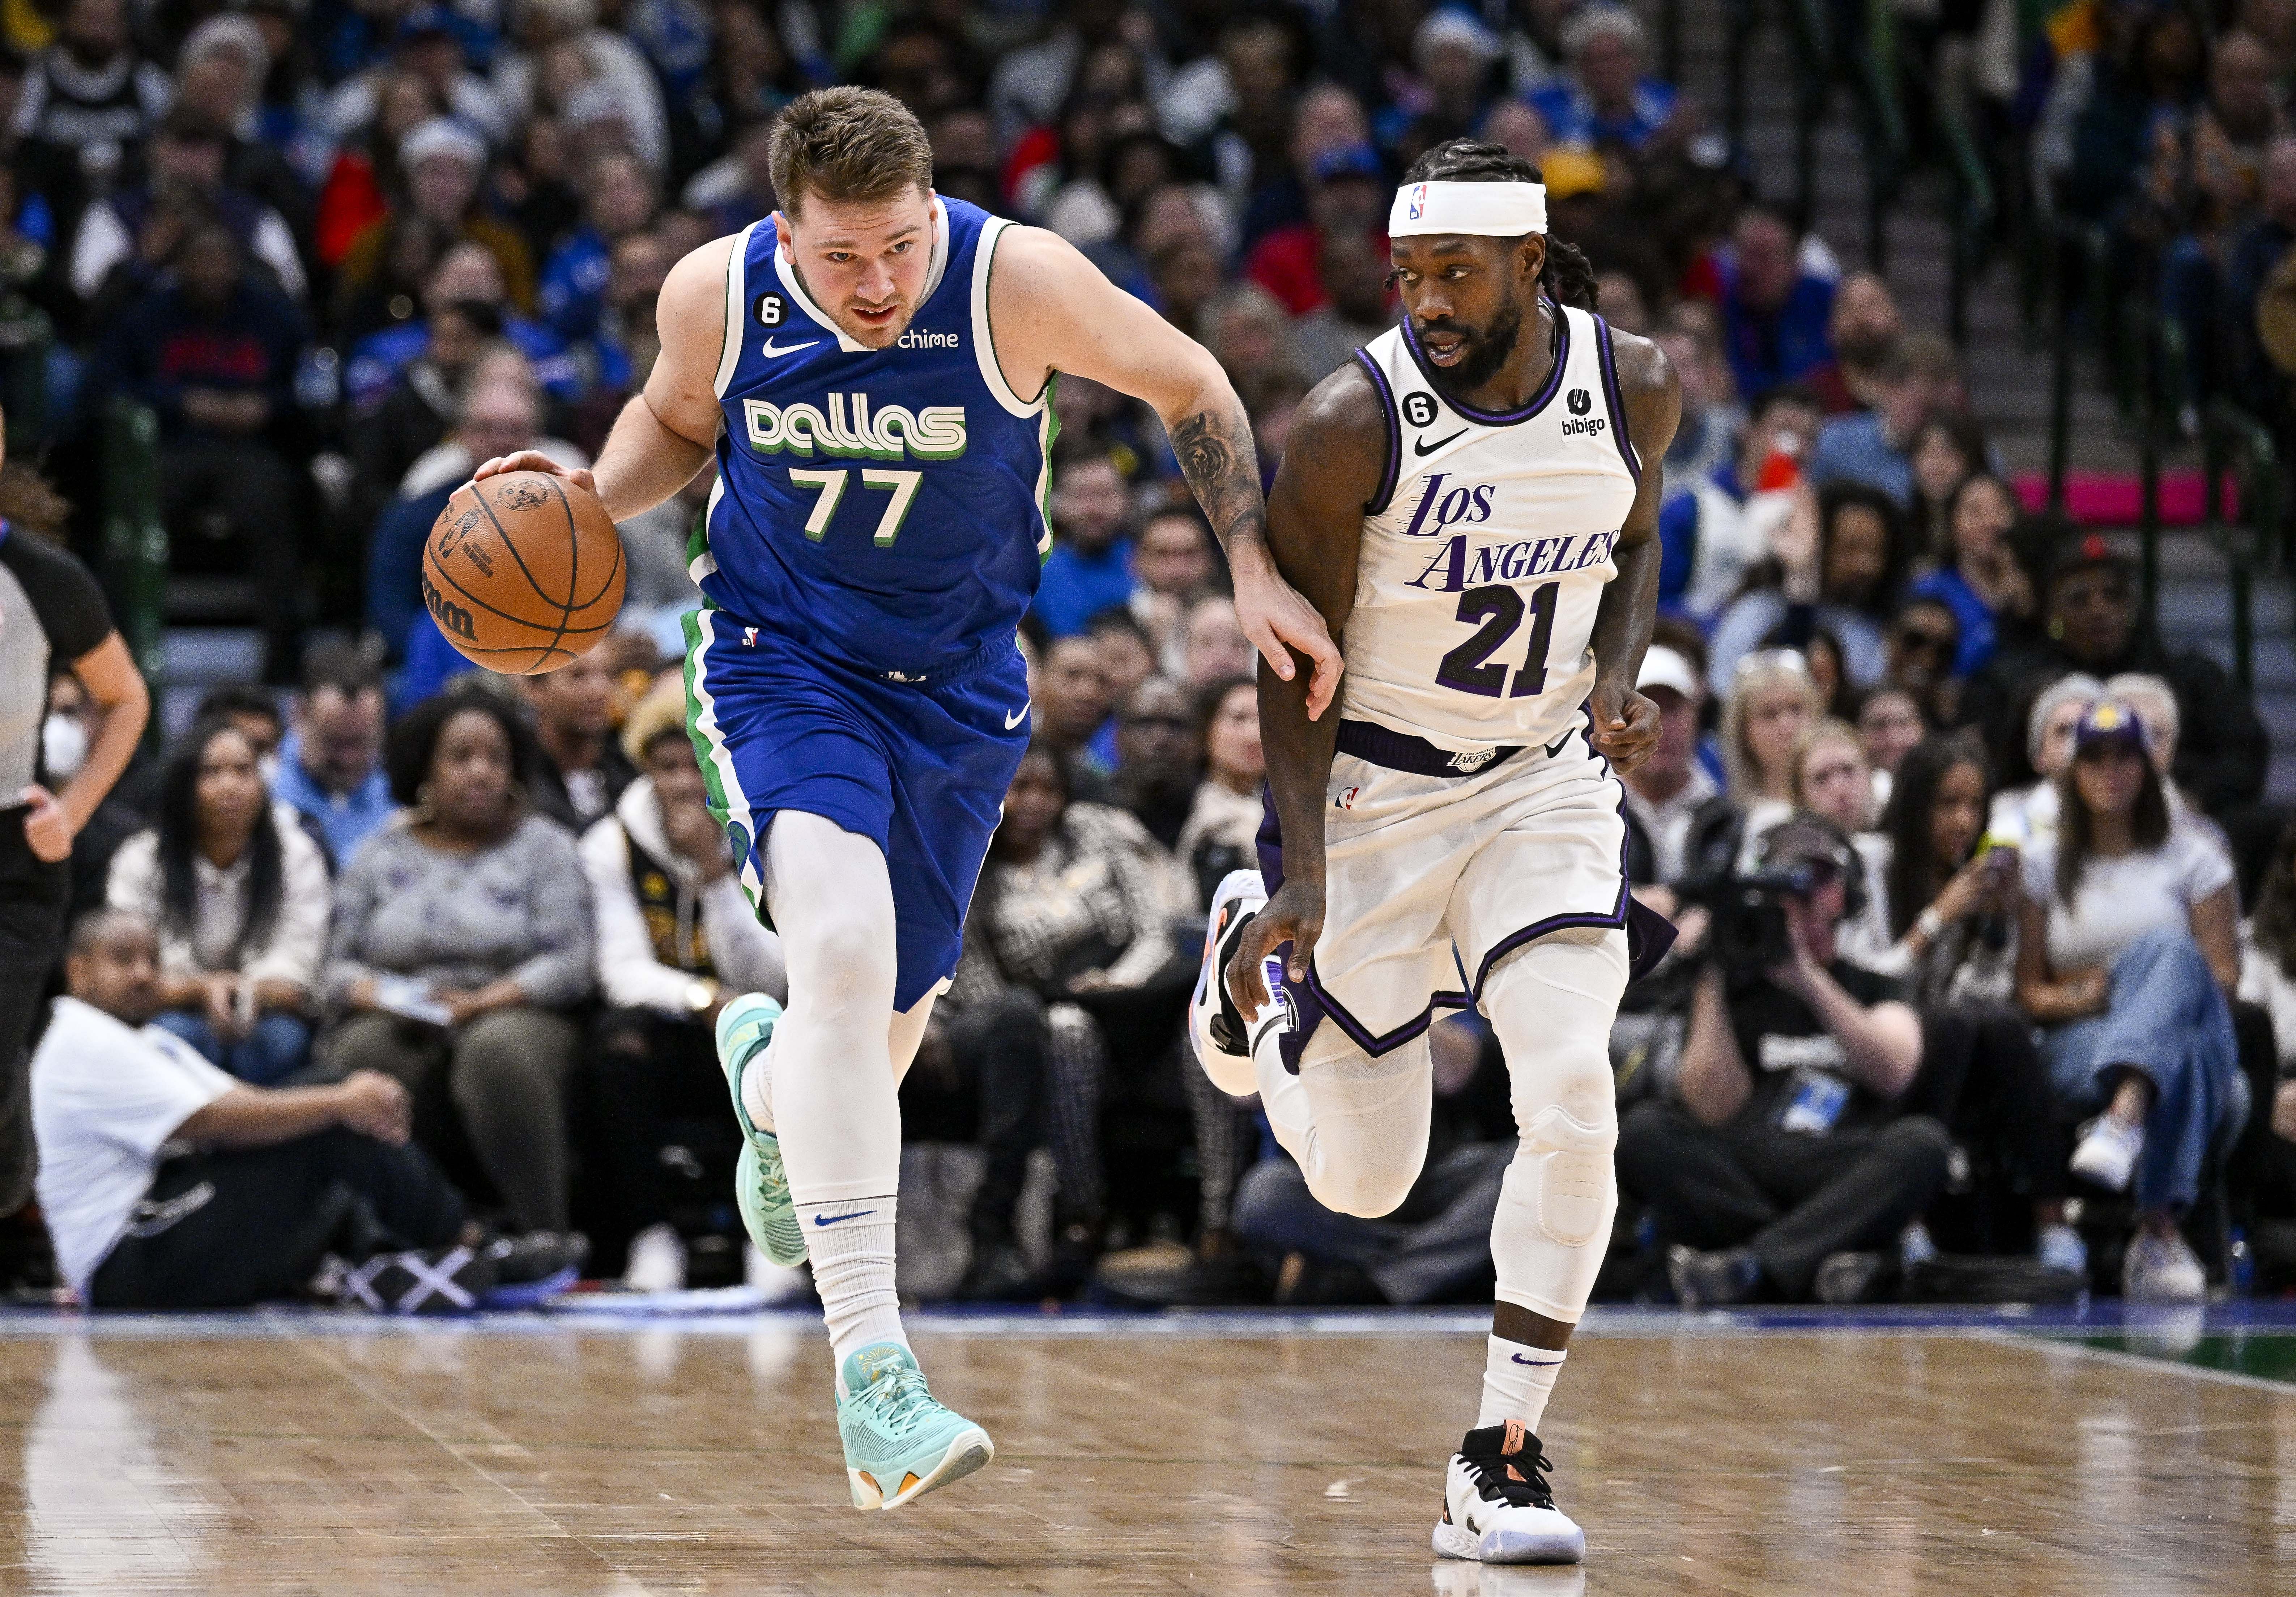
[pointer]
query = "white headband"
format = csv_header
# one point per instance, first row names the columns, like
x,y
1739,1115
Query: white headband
x,y
1486,210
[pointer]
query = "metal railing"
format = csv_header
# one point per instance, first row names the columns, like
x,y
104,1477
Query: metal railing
x,y
1874,69
2078,293
2234,444
1809,39
2236,450
1973,213
27,338
136,538
1878,68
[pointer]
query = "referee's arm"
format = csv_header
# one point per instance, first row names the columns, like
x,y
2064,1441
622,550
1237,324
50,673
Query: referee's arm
x,y
123,704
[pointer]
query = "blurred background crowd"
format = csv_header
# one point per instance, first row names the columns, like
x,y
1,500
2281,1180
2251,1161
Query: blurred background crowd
x,y
314,259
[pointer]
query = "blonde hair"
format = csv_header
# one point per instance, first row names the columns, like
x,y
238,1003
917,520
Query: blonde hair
x,y
1815,736
1756,675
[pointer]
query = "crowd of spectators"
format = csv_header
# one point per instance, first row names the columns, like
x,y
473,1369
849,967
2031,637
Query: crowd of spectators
x,y
2164,135
1995,845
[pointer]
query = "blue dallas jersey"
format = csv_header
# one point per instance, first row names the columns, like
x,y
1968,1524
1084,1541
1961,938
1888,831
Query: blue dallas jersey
x,y
884,507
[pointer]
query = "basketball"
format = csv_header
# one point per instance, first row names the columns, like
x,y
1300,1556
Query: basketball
x,y
523,573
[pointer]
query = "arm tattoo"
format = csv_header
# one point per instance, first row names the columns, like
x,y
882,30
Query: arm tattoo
x,y
1217,457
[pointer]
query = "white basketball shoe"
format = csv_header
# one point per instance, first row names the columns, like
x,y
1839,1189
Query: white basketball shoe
x,y
1497,1508
1223,1035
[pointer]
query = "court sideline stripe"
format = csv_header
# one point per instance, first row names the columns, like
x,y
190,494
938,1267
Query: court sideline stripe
x,y
2141,1361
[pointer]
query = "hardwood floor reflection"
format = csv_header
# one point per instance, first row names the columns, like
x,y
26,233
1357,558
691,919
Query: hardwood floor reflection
x,y
665,1460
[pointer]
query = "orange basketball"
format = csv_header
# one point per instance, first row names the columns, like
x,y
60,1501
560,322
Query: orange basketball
x,y
523,572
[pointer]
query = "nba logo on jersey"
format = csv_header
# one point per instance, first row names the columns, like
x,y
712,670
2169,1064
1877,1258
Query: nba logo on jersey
x,y
1418,201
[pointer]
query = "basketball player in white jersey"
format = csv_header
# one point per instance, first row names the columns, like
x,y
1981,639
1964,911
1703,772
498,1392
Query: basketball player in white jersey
x,y
1472,506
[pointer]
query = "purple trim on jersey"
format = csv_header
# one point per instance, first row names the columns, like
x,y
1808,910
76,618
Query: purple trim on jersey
x,y
1405,1032
1314,1001
1500,418
1617,407
1387,478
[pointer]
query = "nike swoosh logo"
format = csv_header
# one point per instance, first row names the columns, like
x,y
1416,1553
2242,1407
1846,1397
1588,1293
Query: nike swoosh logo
x,y
772,354
1016,718
1536,1363
1423,447
1555,747
834,1219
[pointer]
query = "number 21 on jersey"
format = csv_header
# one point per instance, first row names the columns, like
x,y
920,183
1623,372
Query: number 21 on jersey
x,y
1469,667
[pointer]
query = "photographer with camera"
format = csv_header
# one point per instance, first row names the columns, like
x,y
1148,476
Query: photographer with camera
x,y
1785,1162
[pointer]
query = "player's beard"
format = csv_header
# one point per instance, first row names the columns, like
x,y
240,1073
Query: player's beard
x,y
1486,351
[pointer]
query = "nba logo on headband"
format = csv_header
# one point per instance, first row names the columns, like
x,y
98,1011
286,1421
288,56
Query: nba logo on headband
x,y
1507,209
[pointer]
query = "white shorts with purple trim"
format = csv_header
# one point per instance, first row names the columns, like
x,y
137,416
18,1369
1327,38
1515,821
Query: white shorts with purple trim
x,y
1430,880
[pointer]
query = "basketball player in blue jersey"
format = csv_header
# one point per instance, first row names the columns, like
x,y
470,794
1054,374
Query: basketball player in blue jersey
x,y
1471,505
872,367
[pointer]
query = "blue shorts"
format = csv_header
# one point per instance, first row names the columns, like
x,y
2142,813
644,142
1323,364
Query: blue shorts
x,y
920,767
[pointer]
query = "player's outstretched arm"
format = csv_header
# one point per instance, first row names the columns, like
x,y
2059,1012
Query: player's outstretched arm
x,y
1626,723
1052,310
1315,532
667,433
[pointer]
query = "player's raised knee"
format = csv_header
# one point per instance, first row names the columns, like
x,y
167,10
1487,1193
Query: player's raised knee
x,y
1361,1188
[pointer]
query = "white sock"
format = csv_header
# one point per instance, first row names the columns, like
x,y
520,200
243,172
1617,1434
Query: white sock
x,y
758,1088
853,1271
1517,1382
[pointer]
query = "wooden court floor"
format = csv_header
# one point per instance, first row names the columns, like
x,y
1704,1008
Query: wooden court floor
x,y
682,1459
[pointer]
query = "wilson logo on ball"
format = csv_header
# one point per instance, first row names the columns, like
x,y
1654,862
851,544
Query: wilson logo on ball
x,y
452,618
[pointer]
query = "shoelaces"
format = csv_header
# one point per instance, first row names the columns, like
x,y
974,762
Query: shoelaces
x,y
900,1402
1495,1479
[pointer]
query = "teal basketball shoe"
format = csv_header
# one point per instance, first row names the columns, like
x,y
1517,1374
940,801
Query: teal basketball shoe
x,y
760,1186
900,1443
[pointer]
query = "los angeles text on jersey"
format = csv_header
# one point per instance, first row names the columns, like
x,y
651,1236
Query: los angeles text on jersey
x,y
850,427
1461,563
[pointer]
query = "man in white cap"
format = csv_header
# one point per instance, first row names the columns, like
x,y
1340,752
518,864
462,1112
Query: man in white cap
x,y
1665,793
1472,506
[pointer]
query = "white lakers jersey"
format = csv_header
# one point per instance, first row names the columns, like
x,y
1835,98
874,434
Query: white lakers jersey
x,y
1486,548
